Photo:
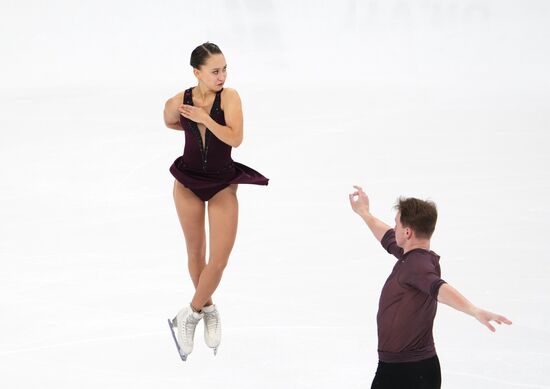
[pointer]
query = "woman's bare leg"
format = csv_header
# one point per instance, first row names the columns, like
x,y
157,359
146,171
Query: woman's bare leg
x,y
223,210
191,211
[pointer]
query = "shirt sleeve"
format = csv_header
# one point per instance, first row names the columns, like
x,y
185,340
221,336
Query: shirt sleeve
x,y
390,245
423,274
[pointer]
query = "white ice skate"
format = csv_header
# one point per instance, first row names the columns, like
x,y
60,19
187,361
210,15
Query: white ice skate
x,y
212,327
184,323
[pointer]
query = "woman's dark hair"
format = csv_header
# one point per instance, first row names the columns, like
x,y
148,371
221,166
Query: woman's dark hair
x,y
202,52
419,215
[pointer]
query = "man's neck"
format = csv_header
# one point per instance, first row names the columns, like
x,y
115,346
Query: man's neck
x,y
416,244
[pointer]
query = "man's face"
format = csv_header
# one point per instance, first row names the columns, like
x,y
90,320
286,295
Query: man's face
x,y
402,234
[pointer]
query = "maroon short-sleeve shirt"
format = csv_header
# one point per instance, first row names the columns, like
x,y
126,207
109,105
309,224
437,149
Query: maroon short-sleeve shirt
x,y
408,304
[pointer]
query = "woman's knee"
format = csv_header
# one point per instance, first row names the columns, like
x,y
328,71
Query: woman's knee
x,y
196,257
196,250
217,265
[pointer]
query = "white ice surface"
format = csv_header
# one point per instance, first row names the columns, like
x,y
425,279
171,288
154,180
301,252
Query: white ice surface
x,y
445,100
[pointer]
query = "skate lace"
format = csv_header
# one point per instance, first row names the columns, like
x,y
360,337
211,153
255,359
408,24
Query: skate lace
x,y
211,320
190,326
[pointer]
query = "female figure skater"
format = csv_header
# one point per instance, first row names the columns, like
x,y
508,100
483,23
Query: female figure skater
x,y
212,119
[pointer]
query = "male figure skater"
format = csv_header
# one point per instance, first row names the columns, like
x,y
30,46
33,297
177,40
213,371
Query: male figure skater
x,y
408,302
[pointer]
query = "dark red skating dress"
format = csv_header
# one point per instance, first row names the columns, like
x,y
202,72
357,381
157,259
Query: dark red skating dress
x,y
208,168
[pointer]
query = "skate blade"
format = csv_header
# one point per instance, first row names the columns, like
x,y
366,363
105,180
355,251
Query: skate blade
x,y
182,355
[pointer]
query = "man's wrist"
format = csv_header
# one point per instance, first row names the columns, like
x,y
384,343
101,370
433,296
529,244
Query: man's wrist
x,y
366,215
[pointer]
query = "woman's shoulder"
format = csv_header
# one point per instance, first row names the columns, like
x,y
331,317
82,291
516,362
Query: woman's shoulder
x,y
177,99
229,92
230,95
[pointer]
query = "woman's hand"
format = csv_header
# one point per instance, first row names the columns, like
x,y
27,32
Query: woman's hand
x,y
196,114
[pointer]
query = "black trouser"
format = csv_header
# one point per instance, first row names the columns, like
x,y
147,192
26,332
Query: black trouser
x,y
425,374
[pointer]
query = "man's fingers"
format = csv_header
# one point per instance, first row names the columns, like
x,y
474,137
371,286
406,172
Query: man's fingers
x,y
505,320
489,326
352,201
499,319
360,192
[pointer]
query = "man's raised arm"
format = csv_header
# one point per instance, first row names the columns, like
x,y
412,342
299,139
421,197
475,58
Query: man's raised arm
x,y
360,204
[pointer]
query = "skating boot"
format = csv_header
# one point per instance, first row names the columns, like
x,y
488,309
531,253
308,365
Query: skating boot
x,y
212,327
184,324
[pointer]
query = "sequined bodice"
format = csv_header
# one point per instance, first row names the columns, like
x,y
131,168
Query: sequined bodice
x,y
212,154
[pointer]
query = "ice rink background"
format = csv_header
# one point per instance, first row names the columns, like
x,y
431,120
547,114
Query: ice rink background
x,y
448,100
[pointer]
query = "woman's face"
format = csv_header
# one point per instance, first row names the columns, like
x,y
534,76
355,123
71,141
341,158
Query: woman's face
x,y
213,73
